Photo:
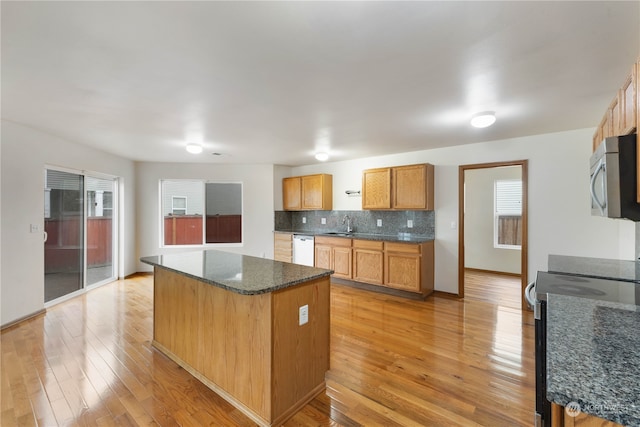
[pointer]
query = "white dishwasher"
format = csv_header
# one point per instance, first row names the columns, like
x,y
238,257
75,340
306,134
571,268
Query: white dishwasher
x,y
303,250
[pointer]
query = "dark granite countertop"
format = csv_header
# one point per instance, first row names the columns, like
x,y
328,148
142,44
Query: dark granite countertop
x,y
593,357
596,267
237,273
399,237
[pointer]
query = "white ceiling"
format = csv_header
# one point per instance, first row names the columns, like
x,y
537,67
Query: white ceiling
x,y
268,82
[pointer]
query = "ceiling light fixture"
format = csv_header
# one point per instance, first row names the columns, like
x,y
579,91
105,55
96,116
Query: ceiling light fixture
x,y
321,156
194,148
483,120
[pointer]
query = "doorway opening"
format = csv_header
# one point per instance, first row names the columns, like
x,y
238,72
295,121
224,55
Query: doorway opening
x,y
492,244
80,232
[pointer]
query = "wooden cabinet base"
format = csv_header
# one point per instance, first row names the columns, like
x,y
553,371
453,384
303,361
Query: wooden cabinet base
x,y
560,418
249,349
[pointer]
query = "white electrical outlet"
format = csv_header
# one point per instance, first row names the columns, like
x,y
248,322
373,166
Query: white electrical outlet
x,y
303,315
453,225
323,221
379,223
304,219
34,228
409,223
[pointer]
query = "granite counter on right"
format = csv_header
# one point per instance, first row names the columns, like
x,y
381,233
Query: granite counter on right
x,y
593,344
593,357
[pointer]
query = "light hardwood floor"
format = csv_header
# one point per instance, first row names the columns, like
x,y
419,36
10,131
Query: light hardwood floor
x,y
394,362
501,289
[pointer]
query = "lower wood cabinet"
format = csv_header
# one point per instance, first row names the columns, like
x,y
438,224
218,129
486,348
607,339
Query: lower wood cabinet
x,y
402,266
368,261
406,267
283,247
560,418
334,253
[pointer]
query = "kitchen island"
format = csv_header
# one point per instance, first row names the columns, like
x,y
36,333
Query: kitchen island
x,y
253,330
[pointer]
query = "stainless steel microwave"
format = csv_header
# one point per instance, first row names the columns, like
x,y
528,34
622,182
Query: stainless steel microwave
x,y
614,179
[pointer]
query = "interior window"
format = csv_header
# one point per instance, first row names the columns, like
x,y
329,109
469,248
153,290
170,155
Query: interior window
x,y
508,214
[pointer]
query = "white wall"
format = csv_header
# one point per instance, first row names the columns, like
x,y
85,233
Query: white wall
x,y
257,215
479,221
559,215
25,152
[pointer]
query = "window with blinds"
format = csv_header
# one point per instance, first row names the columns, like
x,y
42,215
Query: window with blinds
x,y
508,214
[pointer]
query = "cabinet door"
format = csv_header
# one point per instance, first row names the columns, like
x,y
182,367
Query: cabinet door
x,y
615,111
376,188
368,266
282,247
628,94
291,194
597,138
342,262
323,256
317,192
402,271
412,187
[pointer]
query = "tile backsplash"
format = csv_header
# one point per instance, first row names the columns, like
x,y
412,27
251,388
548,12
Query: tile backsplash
x,y
393,222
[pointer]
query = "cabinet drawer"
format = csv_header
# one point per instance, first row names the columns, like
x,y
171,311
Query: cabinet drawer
x,y
283,237
368,244
408,248
333,241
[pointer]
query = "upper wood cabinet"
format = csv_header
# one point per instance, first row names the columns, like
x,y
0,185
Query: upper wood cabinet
x,y
628,101
400,187
621,117
376,188
291,194
309,192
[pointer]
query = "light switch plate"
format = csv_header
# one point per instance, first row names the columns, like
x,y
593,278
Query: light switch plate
x,y
303,315
323,220
304,219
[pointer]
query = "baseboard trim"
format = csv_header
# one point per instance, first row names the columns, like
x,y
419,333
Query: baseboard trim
x,y
139,274
22,319
501,273
443,294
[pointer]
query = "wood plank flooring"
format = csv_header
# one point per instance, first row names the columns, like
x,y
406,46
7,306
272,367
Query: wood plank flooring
x,y
501,289
394,362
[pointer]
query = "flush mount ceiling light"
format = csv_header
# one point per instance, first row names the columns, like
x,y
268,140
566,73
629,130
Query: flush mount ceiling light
x,y
194,148
323,157
483,120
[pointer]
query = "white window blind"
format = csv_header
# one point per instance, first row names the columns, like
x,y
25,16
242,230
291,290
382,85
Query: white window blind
x,y
509,197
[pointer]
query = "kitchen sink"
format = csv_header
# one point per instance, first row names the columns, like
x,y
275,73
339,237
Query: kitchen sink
x,y
337,233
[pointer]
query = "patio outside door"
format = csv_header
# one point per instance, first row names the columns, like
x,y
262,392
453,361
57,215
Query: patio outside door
x,y
64,228
100,229
80,232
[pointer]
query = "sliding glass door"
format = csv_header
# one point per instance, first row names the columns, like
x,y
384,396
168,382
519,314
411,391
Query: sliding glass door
x,y
64,231
80,232
100,230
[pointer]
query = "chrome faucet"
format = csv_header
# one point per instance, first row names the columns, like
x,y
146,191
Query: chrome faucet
x,y
347,219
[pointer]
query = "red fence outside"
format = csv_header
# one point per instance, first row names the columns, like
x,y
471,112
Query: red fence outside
x,y
187,229
63,248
